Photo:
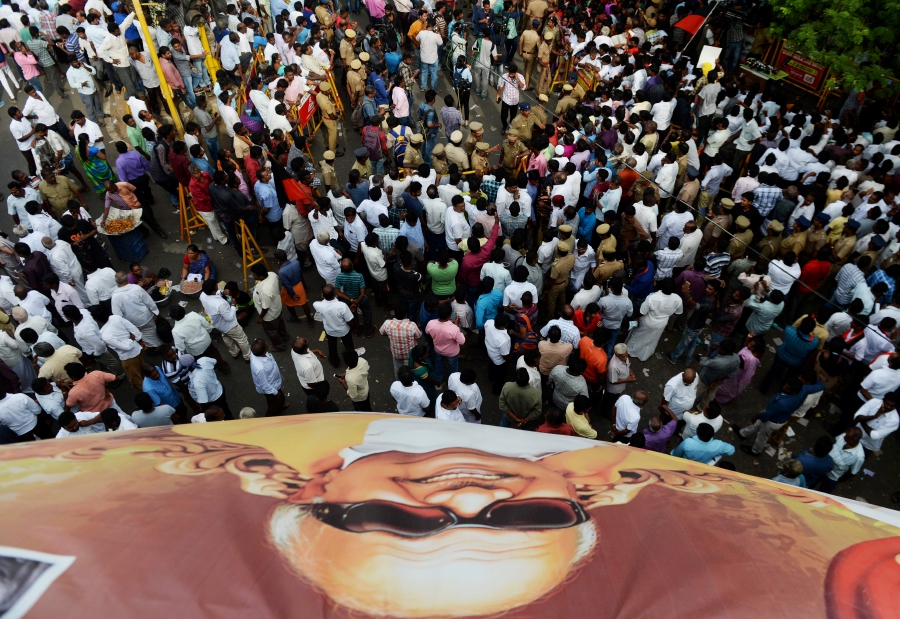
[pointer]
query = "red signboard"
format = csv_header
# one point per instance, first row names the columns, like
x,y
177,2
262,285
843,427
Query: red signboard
x,y
801,69
306,109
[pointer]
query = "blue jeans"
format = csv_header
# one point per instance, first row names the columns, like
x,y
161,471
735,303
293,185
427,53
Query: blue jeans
x,y
213,144
36,82
432,70
412,308
688,343
429,146
613,336
187,96
436,242
353,6
378,166
504,421
202,79
716,339
453,362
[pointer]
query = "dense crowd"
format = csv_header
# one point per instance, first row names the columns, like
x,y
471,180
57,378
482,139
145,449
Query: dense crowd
x,y
656,196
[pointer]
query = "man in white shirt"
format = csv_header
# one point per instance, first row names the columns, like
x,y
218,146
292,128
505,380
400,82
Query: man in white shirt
x,y
456,228
20,413
498,344
707,103
114,50
100,285
19,196
627,413
132,303
66,266
877,419
191,334
449,408
465,385
680,392
429,42
267,378
205,388
37,108
125,340
87,335
23,132
70,424
81,79
307,365
336,318
223,317
848,456
370,209
712,415
512,293
326,257
410,396
267,298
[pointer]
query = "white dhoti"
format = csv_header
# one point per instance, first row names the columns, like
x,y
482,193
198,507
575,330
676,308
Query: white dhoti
x,y
149,335
215,228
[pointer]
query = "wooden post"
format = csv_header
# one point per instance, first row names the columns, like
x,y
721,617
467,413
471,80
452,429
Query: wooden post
x,y
248,245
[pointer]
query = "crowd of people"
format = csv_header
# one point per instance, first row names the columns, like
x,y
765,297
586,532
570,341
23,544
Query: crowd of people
x,y
657,196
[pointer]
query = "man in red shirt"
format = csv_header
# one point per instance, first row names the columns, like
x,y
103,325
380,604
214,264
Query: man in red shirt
x,y
180,163
470,271
593,351
555,423
801,298
588,319
199,191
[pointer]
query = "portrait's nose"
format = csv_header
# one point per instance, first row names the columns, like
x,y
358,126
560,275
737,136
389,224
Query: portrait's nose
x,y
470,500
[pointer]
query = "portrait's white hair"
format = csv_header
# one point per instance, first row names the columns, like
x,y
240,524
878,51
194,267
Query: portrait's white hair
x,y
286,524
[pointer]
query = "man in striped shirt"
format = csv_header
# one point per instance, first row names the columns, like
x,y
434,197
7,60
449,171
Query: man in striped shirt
x,y
719,259
767,194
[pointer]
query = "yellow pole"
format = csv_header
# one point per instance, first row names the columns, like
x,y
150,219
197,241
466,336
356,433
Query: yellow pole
x,y
163,84
212,65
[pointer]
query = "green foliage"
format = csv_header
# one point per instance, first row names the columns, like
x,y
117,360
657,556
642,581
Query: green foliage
x,y
856,39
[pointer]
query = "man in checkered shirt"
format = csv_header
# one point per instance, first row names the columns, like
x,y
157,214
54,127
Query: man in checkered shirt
x,y
451,116
767,194
667,259
403,336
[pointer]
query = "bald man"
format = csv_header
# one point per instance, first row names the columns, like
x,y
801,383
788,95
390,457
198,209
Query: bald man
x,y
660,430
679,394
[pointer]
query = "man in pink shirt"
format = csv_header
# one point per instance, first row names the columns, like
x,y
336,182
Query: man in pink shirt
x,y
401,103
470,270
89,391
173,77
447,338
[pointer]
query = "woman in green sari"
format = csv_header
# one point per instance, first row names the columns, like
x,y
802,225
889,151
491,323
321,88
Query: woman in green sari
x,y
423,370
93,160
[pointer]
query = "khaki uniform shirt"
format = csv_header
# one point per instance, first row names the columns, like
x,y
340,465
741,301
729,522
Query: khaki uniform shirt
x,y
737,247
470,143
412,157
559,272
356,86
509,153
480,163
770,246
59,194
544,54
347,52
565,104
440,165
537,9
523,125
531,40
325,105
605,270
538,115
844,247
815,240
689,191
326,20
579,92
365,171
329,178
796,243
711,230
607,246
457,155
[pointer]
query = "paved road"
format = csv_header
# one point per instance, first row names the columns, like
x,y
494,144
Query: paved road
x,y
240,392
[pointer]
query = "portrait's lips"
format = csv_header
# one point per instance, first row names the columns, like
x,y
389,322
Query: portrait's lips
x,y
458,474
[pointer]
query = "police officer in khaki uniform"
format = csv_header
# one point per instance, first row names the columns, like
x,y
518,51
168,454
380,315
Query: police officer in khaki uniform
x,y
356,84
412,157
543,59
439,160
796,241
325,19
455,153
476,134
528,48
538,113
578,91
511,152
329,178
559,277
523,122
480,158
329,115
567,102
770,245
737,247
348,54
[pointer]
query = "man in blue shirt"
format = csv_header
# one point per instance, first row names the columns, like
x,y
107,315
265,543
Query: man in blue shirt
x,y
792,354
777,413
198,160
376,80
157,386
642,284
587,222
703,447
488,304
265,192
818,463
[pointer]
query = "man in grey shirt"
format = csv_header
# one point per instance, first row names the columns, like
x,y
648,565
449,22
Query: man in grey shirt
x,y
714,370
208,128
614,308
568,382
149,416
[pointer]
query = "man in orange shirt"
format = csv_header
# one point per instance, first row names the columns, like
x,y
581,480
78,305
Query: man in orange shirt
x,y
592,351
89,391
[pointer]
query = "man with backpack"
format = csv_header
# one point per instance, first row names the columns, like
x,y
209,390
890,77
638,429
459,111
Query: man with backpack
x,y
429,119
485,53
397,139
375,142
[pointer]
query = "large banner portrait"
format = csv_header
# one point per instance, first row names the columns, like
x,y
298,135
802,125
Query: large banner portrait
x,y
355,515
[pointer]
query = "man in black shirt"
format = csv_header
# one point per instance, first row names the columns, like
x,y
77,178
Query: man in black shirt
x,y
695,322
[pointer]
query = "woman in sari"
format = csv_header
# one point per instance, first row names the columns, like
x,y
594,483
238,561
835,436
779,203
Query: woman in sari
x,y
423,370
523,334
93,160
750,354
196,262
142,276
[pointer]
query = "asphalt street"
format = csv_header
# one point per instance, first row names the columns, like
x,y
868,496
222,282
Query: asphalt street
x,y
881,475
